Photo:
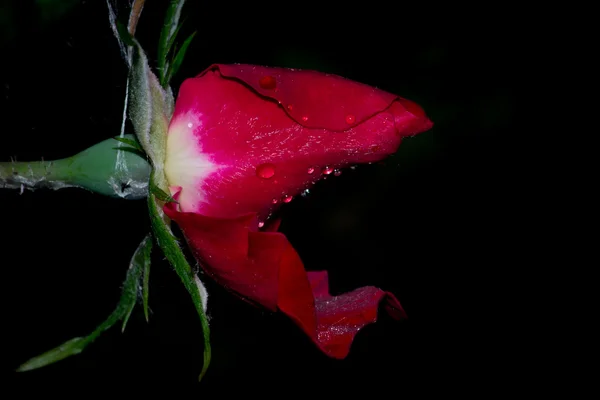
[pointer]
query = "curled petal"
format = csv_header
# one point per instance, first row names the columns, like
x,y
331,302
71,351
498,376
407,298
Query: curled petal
x,y
264,268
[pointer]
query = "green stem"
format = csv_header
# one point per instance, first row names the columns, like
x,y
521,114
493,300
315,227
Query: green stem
x,y
33,175
96,169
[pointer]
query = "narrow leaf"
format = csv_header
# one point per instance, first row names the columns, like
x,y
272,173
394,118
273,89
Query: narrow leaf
x,y
122,311
168,31
71,347
178,60
172,40
146,278
68,348
131,142
124,34
165,67
160,194
132,150
139,262
175,256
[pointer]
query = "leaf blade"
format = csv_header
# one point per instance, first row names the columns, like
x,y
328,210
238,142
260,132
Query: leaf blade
x,y
160,194
122,311
178,59
140,258
139,153
69,348
146,279
176,258
131,142
171,22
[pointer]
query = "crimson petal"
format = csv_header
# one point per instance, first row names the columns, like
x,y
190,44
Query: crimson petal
x,y
264,268
317,100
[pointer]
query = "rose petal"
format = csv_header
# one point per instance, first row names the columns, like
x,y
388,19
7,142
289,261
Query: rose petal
x,y
264,268
314,99
234,151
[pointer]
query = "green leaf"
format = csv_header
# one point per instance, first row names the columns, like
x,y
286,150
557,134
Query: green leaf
x,y
172,41
165,67
161,194
68,348
178,60
175,256
138,265
146,282
124,34
167,35
123,311
132,150
131,142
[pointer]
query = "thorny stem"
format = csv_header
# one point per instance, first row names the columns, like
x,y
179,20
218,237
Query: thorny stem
x,y
92,169
34,175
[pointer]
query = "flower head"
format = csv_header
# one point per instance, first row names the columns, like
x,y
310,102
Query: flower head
x,y
243,140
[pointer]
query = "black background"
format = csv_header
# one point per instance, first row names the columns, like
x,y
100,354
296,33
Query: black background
x,y
427,224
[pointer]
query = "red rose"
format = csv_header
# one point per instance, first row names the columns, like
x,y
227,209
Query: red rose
x,y
244,139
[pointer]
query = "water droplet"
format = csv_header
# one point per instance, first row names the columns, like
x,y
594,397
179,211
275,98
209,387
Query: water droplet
x,y
190,124
337,172
327,170
267,82
265,171
289,107
261,224
287,199
353,167
350,119
274,201
305,193
305,118
310,170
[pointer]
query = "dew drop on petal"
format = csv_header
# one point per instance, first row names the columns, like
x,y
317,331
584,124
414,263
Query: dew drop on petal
x,y
327,170
353,167
289,107
265,171
267,82
350,119
305,118
310,170
305,193
261,224
274,201
337,172
287,199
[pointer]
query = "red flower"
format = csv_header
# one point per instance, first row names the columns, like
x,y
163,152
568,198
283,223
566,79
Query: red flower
x,y
242,140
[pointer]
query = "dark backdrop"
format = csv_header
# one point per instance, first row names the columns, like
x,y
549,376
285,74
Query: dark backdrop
x,y
426,224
